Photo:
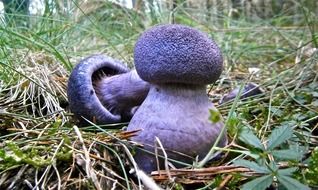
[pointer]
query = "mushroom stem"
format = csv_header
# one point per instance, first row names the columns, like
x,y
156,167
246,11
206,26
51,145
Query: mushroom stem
x,y
121,93
178,114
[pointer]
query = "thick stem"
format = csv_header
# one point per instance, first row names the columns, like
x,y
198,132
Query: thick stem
x,y
121,93
179,116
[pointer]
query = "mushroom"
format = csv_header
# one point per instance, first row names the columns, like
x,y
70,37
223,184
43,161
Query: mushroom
x,y
102,90
178,61
250,89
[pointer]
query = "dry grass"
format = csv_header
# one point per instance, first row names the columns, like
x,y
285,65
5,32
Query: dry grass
x,y
42,148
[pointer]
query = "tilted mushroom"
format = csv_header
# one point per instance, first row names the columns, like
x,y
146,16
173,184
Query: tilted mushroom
x,y
250,89
178,62
102,90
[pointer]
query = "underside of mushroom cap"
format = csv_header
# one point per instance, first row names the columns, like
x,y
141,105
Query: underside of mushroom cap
x,y
82,98
174,53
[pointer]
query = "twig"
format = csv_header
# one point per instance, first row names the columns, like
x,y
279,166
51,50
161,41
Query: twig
x,y
18,176
89,172
147,181
133,163
224,182
165,156
58,177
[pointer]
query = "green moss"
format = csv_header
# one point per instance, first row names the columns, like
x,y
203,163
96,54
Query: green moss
x,y
311,174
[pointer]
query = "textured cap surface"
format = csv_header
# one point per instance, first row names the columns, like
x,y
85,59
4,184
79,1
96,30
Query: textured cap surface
x,y
175,53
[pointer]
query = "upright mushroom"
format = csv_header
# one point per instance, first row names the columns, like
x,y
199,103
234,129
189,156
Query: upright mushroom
x,y
102,90
178,61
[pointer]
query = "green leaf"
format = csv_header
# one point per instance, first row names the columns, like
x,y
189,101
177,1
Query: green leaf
x,y
276,112
215,116
273,166
259,183
252,165
278,136
291,184
249,153
287,172
233,121
314,94
247,136
288,154
315,103
2,154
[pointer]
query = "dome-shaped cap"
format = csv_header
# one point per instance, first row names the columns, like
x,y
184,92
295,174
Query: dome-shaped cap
x,y
174,53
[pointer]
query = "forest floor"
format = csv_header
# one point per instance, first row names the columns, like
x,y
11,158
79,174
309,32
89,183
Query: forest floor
x,y
272,136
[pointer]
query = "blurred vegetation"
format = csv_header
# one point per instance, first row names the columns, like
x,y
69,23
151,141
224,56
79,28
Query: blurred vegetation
x,y
16,11
272,43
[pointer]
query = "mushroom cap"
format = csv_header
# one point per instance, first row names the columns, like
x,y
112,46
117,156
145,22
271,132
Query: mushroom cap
x,y
174,53
81,94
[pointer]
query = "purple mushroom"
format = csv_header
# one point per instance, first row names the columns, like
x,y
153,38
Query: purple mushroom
x,y
250,89
178,62
102,90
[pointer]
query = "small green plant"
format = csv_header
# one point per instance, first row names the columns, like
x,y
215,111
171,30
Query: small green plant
x,y
13,155
38,146
268,157
311,173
